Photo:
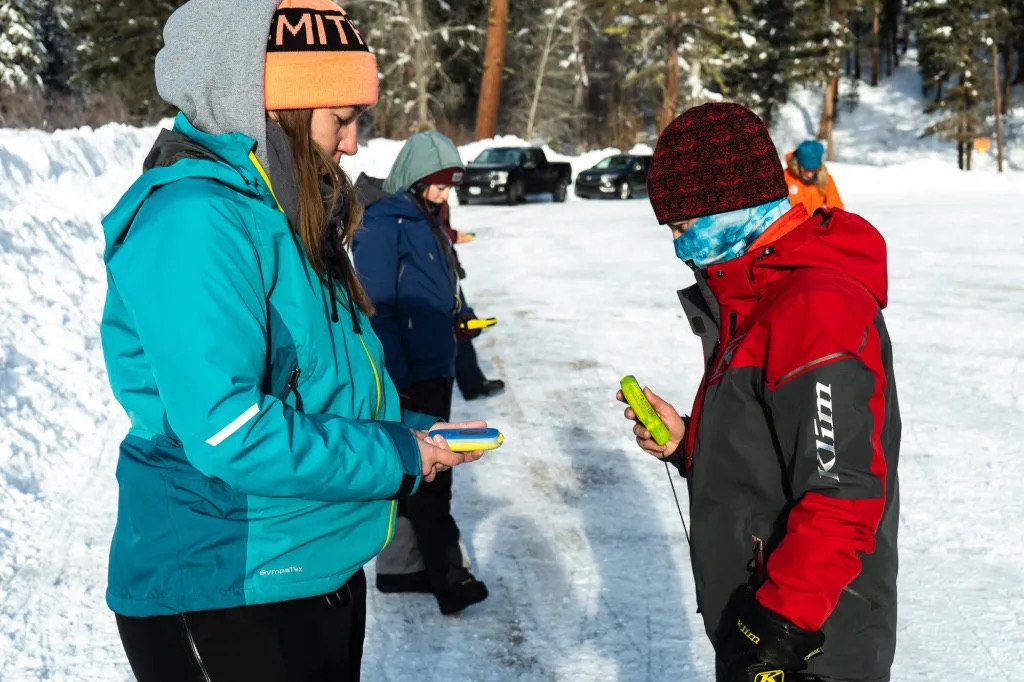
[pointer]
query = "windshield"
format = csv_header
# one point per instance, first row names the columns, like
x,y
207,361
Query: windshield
x,y
612,162
509,157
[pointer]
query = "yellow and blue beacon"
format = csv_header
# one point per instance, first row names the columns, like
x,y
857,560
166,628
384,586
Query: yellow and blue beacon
x,y
469,440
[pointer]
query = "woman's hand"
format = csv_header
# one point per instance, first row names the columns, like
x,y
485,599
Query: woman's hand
x,y
668,414
436,456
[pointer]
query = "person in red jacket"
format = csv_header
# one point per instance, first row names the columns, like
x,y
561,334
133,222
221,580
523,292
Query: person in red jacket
x,y
791,448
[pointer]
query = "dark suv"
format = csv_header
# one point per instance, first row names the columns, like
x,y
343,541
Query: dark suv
x,y
621,176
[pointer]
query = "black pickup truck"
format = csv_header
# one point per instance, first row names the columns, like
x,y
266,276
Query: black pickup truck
x,y
511,173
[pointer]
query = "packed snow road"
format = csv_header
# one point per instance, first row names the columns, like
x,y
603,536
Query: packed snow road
x,y
574,530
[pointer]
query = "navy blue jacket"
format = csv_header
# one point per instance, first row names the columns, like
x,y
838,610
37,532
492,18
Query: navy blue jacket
x,y
404,263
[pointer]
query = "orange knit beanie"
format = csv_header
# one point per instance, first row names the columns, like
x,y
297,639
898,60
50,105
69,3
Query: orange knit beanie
x,y
316,59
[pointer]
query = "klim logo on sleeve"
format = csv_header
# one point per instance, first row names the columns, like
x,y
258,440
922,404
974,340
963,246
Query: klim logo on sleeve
x,y
824,432
309,30
770,676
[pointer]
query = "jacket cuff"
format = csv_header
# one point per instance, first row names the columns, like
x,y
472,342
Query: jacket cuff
x,y
418,421
408,455
678,457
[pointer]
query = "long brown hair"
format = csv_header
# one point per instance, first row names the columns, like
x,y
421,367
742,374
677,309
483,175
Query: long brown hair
x,y
316,170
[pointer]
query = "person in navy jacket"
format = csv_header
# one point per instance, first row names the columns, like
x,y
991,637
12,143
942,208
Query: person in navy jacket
x,y
406,263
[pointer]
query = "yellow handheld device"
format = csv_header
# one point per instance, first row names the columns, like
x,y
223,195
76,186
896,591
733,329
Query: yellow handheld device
x,y
644,412
468,440
479,323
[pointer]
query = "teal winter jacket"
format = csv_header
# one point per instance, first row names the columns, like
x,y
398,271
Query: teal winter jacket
x,y
267,446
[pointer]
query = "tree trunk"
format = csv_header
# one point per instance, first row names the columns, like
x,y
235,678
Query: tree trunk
x,y
892,51
668,105
876,42
828,116
961,129
998,105
1019,78
542,69
856,52
494,66
1007,95
421,66
579,95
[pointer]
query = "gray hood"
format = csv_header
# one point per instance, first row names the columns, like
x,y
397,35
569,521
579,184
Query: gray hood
x,y
422,154
211,66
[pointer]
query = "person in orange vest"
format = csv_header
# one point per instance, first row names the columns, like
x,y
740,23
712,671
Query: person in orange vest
x,y
809,181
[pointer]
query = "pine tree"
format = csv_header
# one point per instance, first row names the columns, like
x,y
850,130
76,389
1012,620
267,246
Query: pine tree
x,y
670,52
21,52
59,47
761,59
955,39
1015,40
119,42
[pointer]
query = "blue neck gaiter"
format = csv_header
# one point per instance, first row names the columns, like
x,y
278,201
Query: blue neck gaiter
x,y
724,236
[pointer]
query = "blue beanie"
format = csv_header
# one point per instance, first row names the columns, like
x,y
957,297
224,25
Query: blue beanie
x,y
809,155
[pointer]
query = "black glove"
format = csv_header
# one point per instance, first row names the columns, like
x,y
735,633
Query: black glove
x,y
760,642
463,334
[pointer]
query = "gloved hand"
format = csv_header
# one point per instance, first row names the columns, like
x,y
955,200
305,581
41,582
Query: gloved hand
x,y
760,642
463,334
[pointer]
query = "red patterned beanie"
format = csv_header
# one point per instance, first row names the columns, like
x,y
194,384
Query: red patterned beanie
x,y
713,159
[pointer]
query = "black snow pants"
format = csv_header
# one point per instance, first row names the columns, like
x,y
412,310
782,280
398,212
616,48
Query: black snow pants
x,y
317,639
435,535
468,374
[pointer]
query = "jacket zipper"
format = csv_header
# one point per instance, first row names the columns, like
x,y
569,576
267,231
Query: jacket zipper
x,y
757,560
712,356
293,386
195,649
376,414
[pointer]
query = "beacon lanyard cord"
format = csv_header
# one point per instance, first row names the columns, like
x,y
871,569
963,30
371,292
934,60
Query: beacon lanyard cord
x,y
686,531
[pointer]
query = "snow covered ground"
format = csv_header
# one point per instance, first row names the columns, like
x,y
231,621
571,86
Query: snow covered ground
x,y
888,125
573,529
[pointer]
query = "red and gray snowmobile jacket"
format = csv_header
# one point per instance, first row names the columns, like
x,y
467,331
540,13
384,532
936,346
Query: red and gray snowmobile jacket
x,y
793,441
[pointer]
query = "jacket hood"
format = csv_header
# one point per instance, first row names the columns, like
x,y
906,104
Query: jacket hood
x,y
370,190
185,152
211,66
422,154
836,240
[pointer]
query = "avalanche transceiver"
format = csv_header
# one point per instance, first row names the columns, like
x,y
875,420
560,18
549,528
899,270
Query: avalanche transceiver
x,y
644,412
468,440
479,323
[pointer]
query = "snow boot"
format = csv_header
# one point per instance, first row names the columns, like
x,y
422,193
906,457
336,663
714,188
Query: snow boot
x,y
488,388
453,599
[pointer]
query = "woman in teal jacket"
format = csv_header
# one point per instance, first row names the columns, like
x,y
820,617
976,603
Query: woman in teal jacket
x,y
267,448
